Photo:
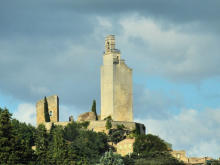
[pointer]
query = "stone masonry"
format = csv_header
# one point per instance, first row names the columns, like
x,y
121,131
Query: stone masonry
x,y
116,100
53,109
116,85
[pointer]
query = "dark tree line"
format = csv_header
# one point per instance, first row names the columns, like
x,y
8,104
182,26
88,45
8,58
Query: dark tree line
x,y
70,145
73,145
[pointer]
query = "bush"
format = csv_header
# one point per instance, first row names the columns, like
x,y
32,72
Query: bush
x,y
109,158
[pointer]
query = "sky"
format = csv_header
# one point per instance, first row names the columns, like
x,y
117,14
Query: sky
x,y
52,47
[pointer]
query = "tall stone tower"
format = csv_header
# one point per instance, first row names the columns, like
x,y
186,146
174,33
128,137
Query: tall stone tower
x,y
116,84
53,109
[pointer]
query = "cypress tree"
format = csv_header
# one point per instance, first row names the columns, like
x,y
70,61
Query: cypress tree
x,y
46,113
94,109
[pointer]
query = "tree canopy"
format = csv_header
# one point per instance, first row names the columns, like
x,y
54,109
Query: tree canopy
x,y
73,144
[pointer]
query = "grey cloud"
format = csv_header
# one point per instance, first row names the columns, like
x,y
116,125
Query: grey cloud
x,y
37,20
54,47
30,71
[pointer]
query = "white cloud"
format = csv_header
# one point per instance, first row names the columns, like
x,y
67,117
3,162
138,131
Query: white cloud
x,y
26,112
171,51
196,132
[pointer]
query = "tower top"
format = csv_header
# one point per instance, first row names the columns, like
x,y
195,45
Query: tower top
x,y
110,44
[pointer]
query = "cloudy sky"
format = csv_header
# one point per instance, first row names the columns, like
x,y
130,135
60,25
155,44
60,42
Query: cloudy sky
x,y
55,47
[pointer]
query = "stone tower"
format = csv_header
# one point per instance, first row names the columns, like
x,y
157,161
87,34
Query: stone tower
x,y
116,84
53,109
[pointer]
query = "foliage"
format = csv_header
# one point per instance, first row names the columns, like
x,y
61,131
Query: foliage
x,y
24,132
74,144
145,144
108,118
57,146
46,110
108,124
120,126
109,158
84,147
118,134
150,149
41,142
6,137
13,149
84,124
213,162
94,109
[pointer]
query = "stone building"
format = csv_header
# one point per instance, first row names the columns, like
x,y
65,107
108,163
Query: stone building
x,y
181,155
116,84
53,109
116,100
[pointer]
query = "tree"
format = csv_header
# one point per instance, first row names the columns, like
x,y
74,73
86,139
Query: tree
x,y
145,144
6,136
46,110
108,124
23,141
13,149
118,134
41,142
150,149
109,158
94,109
57,147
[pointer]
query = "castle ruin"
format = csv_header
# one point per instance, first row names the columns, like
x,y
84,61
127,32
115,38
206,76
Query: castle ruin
x,y
116,99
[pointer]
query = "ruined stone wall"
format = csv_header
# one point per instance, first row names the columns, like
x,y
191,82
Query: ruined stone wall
x,y
53,109
99,126
125,147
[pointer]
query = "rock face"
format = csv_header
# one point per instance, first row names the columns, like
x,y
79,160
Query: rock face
x,y
88,116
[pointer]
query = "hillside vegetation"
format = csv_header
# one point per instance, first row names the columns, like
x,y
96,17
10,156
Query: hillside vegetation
x,y
73,145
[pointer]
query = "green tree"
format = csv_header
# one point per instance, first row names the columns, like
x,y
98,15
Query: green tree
x,y
13,149
57,147
145,144
108,124
6,136
150,149
118,134
94,109
84,147
46,110
23,141
109,158
41,142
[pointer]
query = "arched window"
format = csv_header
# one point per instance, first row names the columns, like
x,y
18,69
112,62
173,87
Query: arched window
x,y
50,113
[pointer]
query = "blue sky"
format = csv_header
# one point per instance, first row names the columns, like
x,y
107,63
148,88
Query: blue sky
x,y
55,47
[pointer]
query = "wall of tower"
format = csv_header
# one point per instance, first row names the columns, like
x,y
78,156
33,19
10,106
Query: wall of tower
x,y
123,108
53,109
116,85
107,87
